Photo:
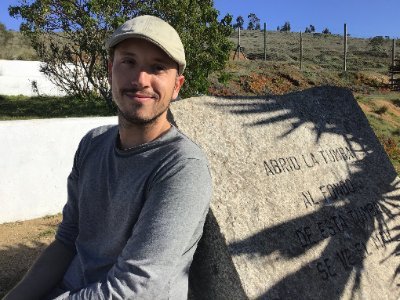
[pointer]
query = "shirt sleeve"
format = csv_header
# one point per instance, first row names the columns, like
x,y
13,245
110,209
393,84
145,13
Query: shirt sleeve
x,y
68,230
167,232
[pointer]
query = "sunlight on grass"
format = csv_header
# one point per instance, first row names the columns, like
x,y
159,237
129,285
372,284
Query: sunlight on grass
x,y
22,107
388,136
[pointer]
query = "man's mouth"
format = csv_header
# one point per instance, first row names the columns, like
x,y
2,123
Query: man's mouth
x,y
139,96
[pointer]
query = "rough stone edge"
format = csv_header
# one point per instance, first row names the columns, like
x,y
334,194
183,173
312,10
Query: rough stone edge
x,y
212,274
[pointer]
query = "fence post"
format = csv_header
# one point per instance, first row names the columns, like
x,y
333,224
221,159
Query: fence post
x,y
393,61
345,49
239,47
301,51
265,41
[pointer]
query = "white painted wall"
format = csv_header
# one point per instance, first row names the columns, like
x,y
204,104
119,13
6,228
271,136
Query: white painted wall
x,y
35,159
16,77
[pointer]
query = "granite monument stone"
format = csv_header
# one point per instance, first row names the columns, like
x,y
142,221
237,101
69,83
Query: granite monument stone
x,y
305,204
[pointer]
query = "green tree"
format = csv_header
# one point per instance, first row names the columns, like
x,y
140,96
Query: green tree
x,y
254,22
239,23
376,41
69,37
377,46
310,29
326,31
227,20
285,27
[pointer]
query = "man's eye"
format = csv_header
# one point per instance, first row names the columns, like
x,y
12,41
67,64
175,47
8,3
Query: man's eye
x,y
159,68
128,61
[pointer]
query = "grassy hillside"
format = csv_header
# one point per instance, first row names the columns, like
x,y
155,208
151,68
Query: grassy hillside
x,y
324,51
368,61
13,45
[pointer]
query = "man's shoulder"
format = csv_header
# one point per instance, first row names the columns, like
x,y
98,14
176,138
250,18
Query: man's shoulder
x,y
101,130
99,133
186,147
181,160
98,137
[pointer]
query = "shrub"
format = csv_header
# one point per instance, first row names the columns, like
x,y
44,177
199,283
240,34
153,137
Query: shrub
x,y
381,109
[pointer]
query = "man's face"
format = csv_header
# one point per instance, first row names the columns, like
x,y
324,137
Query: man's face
x,y
143,79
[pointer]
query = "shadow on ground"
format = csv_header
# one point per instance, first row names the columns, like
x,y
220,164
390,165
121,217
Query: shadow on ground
x,y
15,261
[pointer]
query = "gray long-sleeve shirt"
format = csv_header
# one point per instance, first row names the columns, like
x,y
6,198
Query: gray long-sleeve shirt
x,y
134,217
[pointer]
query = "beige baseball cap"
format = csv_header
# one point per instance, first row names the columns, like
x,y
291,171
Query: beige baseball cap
x,y
154,30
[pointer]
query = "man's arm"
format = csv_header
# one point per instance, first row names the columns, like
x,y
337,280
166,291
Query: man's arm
x,y
45,273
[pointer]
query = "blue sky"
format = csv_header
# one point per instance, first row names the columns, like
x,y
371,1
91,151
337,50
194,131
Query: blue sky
x,y
364,18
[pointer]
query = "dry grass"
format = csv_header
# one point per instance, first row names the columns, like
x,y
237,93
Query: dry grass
x,y
324,51
20,245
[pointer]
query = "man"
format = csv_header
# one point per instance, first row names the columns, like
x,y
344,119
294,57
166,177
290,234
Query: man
x,y
138,193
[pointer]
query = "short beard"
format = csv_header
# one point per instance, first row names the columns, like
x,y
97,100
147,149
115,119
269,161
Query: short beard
x,y
133,120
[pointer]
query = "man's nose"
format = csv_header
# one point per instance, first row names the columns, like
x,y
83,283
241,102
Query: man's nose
x,y
141,78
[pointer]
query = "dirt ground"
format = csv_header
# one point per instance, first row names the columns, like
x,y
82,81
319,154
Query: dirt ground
x,y
20,245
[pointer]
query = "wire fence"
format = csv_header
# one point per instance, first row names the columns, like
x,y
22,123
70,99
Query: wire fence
x,y
329,51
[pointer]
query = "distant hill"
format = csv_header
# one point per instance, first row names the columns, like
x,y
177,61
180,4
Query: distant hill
x,y
13,45
322,50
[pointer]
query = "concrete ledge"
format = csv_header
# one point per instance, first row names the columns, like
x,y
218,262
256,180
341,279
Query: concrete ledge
x,y
35,159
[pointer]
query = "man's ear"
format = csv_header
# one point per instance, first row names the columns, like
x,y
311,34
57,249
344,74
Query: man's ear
x,y
109,68
180,79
